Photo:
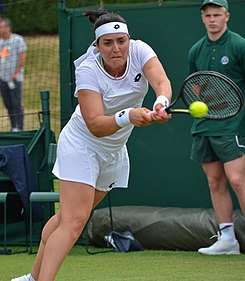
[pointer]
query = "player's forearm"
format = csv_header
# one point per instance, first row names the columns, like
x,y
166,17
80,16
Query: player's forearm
x,y
157,78
164,88
103,126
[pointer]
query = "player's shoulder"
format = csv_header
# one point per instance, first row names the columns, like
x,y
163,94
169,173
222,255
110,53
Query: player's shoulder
x,y
86,59
137,45
139,48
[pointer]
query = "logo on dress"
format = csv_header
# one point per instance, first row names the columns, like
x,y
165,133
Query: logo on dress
x,y
224,60
137,77
111,185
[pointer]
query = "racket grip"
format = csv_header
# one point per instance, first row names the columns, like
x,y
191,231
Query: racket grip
x,y
168,110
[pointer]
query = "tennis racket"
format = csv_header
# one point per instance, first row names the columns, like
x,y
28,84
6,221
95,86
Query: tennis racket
x,y
222,96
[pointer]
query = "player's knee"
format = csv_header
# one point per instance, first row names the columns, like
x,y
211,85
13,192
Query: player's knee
x,y
77,225
50,227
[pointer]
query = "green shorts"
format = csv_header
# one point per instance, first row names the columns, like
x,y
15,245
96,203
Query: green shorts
x,y
207,149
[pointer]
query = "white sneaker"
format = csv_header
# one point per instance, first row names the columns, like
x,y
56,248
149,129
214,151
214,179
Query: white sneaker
x,y
16,130
221,247
27,277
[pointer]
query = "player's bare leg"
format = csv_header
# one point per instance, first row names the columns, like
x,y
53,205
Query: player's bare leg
x,y
49,228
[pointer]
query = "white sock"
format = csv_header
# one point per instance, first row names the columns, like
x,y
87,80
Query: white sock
x,y
227,231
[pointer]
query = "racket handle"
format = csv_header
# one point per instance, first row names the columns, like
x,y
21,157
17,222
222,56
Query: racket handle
x,y
168,110
171,111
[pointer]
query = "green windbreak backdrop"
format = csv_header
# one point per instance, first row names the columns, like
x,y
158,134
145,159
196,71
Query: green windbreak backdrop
x,y
162,173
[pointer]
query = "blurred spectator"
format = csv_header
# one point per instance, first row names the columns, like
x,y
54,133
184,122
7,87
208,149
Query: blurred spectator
x,y
12,60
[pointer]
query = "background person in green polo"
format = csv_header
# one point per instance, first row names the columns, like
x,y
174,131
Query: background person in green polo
x,y
220,145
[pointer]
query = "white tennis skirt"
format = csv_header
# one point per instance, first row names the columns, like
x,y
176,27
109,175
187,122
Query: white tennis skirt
x,y
101,170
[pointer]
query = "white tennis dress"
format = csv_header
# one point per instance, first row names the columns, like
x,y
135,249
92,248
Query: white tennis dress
x,y
102,162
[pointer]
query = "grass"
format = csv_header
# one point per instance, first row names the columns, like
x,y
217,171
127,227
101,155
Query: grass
x,y
148,265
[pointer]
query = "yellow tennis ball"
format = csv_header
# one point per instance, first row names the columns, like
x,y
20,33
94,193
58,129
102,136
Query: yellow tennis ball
x,y
198,109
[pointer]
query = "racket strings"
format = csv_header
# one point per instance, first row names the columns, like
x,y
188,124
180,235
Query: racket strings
x,y
220,95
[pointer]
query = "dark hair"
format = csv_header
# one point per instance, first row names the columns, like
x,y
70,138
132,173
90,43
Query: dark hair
x,y
101,17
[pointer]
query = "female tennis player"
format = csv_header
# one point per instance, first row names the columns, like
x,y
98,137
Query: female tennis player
x,y
111,83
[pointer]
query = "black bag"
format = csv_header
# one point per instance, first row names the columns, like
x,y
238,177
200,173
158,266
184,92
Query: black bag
x,y
123,241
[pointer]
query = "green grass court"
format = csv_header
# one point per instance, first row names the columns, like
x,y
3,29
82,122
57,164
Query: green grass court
x,y
148,265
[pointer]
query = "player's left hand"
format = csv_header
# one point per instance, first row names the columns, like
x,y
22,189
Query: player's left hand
x,y
139,117
159,115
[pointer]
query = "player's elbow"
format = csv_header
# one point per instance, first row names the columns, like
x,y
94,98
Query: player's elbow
x,y
99,134
99,128
97,131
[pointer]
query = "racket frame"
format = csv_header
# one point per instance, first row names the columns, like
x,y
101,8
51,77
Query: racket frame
x,y
170,110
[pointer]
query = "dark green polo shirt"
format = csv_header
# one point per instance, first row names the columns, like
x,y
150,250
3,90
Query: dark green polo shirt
x,y
227,56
